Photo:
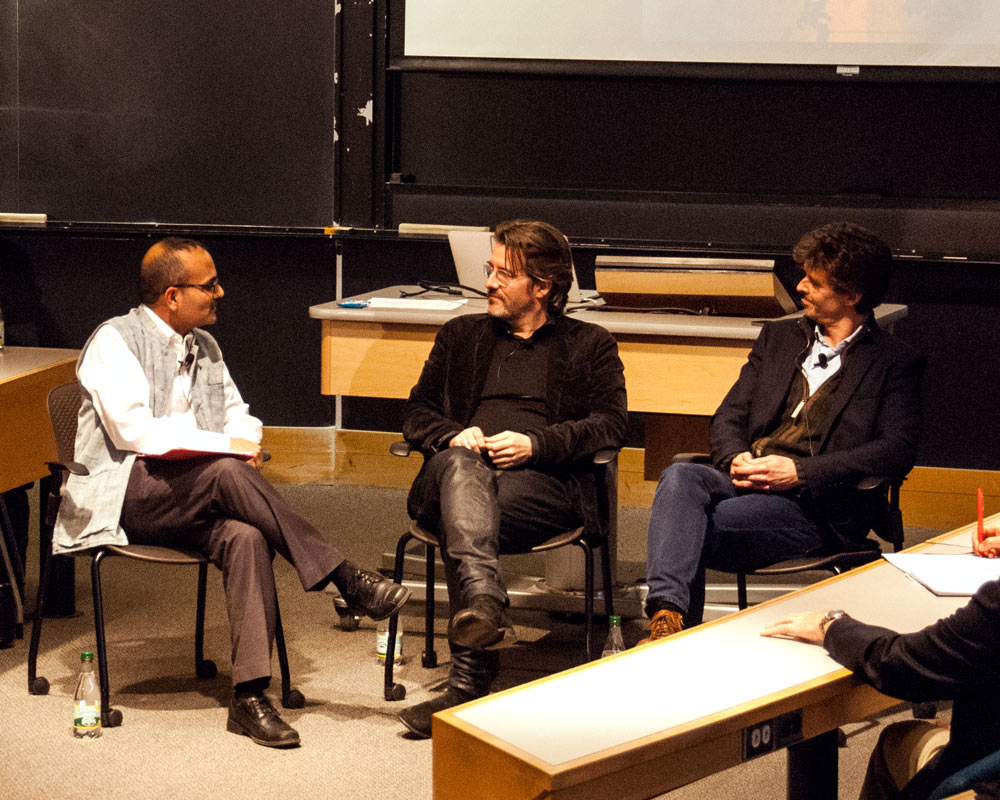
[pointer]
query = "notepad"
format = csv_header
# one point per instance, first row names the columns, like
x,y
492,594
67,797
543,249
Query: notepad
x,y
947,575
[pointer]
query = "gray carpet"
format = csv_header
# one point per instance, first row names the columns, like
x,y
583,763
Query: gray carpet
x,y
173,741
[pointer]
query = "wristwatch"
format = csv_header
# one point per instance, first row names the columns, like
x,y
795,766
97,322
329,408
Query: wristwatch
x,y
830,616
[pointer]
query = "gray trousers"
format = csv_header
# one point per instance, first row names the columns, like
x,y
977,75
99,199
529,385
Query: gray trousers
x,y
224,508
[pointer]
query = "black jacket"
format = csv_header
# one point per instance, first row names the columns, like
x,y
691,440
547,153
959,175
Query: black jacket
x,y
585,398
957,658
873,430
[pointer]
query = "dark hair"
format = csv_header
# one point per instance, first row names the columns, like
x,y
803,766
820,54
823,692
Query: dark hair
x,y
544,254
852,258
163,268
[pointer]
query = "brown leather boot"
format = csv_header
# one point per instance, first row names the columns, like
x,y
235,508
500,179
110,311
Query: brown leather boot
x,y
665,623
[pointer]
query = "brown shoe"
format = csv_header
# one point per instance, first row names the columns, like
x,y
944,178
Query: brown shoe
x,y
665,623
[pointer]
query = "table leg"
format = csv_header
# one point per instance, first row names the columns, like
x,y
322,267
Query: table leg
x,y
812,768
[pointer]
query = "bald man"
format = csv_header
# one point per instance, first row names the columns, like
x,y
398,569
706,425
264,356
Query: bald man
x,y
152,383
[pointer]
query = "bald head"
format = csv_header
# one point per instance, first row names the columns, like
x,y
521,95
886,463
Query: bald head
x,y
162,267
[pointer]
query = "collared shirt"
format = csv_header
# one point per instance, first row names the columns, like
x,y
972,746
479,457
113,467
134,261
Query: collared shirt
x,y
823,359
116,381
513,397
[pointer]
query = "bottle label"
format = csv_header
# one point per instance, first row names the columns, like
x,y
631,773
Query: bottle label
x,y
86,716
382,643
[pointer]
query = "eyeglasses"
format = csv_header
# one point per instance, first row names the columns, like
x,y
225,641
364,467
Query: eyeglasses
x,y
504,276
212,287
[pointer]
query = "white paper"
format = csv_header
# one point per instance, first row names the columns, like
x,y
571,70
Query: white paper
x,y
412,303
946,574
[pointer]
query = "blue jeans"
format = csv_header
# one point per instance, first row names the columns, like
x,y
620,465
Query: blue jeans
x,y
700,520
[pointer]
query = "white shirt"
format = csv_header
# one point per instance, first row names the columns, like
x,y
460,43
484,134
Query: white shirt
x,y
117,383
823,359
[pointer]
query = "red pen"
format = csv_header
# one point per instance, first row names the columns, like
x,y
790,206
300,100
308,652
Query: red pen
x,y
980,533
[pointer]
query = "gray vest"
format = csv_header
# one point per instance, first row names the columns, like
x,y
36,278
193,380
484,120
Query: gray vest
x,y
91,504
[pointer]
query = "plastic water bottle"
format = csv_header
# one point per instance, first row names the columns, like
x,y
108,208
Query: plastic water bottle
x,y
615,643
382,641
87,700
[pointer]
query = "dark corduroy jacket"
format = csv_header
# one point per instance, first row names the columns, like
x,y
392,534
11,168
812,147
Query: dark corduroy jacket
x,y
585,398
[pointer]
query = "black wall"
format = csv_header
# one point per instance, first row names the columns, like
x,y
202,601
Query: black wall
x,y
187,112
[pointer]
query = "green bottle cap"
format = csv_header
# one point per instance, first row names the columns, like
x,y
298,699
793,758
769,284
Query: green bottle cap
x,y
86,655
614,619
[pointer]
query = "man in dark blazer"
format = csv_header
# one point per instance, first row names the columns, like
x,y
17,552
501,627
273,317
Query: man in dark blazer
x,y
822,402
508,411
957,658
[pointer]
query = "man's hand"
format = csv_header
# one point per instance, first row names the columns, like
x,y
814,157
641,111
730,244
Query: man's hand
x,y
243,446
471,437
806,626
764,474
990,546
508,449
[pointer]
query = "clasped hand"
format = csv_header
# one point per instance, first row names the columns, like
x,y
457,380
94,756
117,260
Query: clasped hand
x,y
764,474
505,449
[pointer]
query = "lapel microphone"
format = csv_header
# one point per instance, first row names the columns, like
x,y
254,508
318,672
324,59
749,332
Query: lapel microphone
x,y
821,359
189,360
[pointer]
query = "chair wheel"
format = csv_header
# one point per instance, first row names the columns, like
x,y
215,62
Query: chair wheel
x,y
429,660
295,699
349,621
397,692
206,669
111,718
39,685
924,710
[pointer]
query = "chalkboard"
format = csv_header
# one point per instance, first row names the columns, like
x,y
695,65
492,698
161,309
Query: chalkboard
x,y
184,111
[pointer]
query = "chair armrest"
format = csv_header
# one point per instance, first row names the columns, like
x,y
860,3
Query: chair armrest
x,y
75,467
870,482
605,456
401,449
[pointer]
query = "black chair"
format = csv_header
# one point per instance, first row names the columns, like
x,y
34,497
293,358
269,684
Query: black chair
x,y
888,526
606,470
64,405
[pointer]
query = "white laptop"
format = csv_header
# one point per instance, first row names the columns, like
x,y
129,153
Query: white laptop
x,y
470,250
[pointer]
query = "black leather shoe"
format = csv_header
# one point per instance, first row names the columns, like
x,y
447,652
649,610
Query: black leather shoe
x,y
479,625
254,716
372,594
418,718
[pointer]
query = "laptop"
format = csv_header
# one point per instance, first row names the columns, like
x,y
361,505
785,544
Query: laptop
x,y
470,250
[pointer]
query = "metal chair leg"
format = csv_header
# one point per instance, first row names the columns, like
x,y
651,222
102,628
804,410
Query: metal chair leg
x,y
290,698
110,717
390,689
609,589
36,683
741,590
588,599
203,668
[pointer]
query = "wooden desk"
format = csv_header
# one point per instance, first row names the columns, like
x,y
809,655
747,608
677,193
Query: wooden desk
x,y
655,718
26,376
675,364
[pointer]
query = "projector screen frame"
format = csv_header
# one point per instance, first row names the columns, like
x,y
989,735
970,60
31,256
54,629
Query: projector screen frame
x,y
398,61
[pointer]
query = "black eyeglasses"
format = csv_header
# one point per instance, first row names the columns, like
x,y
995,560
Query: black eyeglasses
x,y
211,287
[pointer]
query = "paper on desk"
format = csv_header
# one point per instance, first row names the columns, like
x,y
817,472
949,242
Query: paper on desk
x,y
947,575
415,303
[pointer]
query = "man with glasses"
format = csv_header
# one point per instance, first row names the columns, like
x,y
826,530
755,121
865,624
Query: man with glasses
x,y
508,410
172,455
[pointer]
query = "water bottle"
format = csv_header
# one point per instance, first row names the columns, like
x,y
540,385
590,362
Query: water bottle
x,y
615,643
382,641
87,700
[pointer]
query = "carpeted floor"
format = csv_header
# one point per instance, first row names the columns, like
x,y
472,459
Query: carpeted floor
x,y
173,741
